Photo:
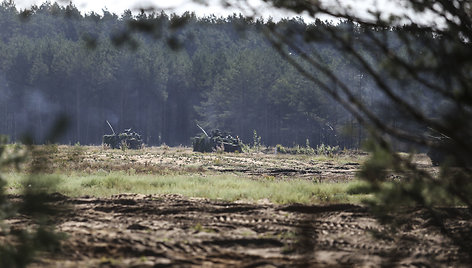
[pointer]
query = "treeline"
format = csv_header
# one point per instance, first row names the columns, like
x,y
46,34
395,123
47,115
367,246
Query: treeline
x,y
218,72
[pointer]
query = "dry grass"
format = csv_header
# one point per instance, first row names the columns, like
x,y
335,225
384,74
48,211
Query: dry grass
x,y
279,178
181,160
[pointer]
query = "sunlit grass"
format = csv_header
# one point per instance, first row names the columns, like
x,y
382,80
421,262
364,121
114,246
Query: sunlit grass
x,y
225,187
96,171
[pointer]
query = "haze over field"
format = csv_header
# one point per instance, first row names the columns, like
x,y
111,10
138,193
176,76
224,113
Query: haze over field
x,y
219,72
356,135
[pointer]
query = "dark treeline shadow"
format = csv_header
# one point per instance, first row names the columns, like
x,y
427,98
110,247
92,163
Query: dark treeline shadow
x,y
161,74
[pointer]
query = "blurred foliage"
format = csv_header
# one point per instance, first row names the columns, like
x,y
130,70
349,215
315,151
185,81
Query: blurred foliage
x,y
405,52
21,243
394,78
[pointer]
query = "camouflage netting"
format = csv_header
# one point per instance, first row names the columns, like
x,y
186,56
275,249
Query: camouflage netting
x,y
217,140
127,139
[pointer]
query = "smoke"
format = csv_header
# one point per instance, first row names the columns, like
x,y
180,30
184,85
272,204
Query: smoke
x,y
35,113
5,91
111,117
37,102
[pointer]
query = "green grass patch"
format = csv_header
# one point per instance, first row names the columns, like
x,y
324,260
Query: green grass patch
x,y
225,187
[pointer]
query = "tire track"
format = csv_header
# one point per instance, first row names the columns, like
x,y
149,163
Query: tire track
x,y
171,229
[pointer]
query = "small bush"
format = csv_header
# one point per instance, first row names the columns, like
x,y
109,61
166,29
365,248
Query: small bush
x,y
257,144
321,149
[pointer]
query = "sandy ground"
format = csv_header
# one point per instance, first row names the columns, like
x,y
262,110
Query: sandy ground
x,y
181,160
132,230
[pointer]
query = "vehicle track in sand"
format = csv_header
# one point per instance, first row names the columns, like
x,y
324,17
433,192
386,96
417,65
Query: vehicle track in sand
x,y
132,230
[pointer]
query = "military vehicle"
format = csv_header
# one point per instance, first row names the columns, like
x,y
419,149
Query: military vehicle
x,y
436,154
127,139
440,143
217,140
445,151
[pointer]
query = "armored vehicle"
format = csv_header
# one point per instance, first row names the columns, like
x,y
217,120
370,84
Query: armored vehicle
x,y
438,154
127,139
217,140
445,150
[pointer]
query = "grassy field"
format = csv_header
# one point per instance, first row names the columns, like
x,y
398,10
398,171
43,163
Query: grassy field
x,y
228,187
252,177
166,206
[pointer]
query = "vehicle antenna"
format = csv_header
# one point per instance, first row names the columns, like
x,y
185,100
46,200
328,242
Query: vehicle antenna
x,y
203,130
110,127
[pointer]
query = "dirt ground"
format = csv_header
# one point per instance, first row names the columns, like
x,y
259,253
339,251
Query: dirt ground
x,y
132,230
181,160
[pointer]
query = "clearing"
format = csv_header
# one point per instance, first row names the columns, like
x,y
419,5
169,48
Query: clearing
x,y
111,222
